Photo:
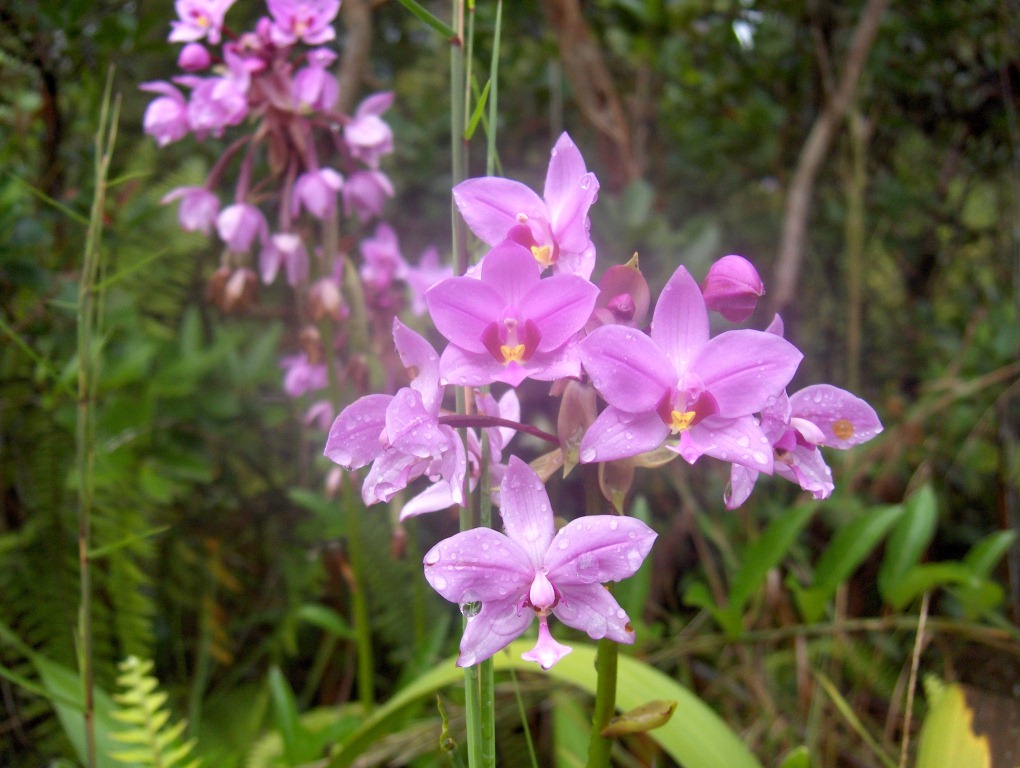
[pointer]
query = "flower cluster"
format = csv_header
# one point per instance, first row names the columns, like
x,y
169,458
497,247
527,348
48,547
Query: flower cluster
x,y
529,310
298,163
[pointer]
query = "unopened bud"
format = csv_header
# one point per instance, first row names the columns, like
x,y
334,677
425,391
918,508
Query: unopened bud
x,y
732,288
311,344
240,290
215,286
194,58
324,300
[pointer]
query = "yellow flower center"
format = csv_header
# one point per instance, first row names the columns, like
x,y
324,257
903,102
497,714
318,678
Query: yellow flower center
x,y
680,422
512,354
542,254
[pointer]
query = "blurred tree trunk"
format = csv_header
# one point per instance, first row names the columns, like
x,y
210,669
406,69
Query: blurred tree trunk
x,y
593,88
813,154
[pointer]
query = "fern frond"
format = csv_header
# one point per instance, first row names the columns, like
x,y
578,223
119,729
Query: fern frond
x,y
149,740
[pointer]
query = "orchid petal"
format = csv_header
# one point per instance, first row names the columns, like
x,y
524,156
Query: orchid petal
x,y
354,437
740,441
743,369
491,206
436,497
494,627
478,565
627,368
845,419
417,354
461,307
511,270
560,305
410,428
680,319
617,434
807,468
742,480
597,549
390,472
546,651
591,608
476,369
527,515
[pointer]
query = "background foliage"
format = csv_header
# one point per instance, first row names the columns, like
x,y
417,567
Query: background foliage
x,y
217,555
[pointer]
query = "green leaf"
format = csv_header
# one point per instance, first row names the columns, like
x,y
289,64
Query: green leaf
x,y
987,552
852,543
909,539
761,556
477,114
926,577
326,619
696,737
288,719
799,757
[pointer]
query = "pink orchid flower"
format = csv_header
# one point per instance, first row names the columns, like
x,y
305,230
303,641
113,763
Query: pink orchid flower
x,y
367,135
309,21
198,19
797,426
440,495
400,435
504,581
680,382
166,118
198,209
553,227
510,324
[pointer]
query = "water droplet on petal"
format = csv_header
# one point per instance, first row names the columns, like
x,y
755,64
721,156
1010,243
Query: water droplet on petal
x,y
614,524
470,609
439,582
588,455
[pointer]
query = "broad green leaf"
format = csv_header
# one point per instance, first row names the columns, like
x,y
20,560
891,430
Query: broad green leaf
x,y
696,737
850,546
947,736
65,684
926,577
987,552
761,556
909,539
288,720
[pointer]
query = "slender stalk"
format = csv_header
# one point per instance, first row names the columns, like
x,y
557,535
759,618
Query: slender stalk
x,y
600,747
359,605
89,328
490,150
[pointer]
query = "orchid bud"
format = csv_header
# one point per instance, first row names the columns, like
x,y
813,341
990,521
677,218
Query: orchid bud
x,y
577,411
324,300
732,288
623,296
240,290
215,286
311,344
194,58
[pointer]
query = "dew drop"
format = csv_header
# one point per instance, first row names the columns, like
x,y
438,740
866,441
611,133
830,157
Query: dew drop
x,y
614,524
439,582
432,557
588,455
744,441
760,457
470,609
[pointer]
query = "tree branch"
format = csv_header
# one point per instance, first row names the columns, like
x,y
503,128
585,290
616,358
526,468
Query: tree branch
x,y
813,154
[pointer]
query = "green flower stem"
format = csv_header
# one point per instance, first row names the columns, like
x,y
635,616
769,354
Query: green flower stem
x,y
600,747
90,315
359,605
490,150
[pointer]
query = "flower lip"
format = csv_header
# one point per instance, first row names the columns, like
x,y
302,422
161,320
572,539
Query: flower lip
x,y
679,412
509,342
